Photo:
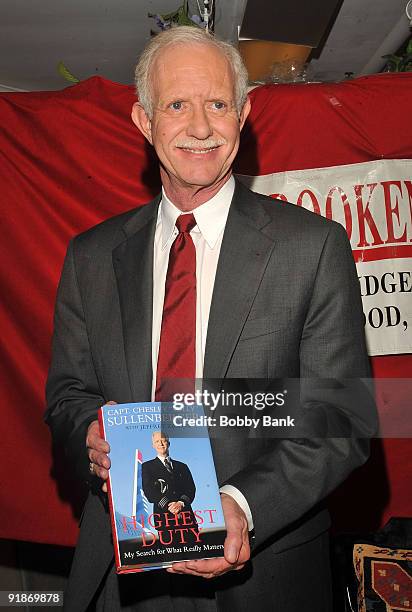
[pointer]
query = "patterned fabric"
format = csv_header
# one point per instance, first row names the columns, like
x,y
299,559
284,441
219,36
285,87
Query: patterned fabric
x,y
385,578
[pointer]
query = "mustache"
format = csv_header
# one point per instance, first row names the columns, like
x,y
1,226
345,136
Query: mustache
x,y
209,143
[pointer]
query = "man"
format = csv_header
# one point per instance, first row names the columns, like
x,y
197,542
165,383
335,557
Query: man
x,y
169,486
276,296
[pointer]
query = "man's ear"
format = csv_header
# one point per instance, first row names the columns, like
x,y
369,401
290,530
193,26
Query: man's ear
x,y
142,121
244,112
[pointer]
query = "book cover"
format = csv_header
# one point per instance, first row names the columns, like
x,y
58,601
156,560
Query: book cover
x,y
163,493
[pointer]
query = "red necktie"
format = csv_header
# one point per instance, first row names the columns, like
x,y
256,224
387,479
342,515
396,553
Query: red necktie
x,y
177,349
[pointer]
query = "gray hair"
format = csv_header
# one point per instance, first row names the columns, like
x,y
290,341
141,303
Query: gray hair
x,y
162,434
191,36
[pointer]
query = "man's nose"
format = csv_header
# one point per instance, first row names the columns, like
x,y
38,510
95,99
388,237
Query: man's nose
x,y
199,124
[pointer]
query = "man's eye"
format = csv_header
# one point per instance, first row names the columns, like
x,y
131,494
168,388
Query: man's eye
x,y
218,105
176,105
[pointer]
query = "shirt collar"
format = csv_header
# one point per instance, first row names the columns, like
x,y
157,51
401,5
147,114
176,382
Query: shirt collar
x,y
162,459
210,216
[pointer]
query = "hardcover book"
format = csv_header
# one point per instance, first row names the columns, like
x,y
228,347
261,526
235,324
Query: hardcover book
x,y
163,493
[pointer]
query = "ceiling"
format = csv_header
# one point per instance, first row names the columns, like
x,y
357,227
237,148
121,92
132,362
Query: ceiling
x,y
104,37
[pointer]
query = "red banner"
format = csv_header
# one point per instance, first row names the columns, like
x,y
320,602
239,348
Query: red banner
x,y
73,158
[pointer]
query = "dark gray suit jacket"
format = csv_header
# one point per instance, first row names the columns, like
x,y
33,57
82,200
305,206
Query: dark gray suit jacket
x,y
179,484
286,303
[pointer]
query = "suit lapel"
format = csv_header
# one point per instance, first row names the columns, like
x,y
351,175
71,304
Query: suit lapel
x,y
160,464
133,267
244,255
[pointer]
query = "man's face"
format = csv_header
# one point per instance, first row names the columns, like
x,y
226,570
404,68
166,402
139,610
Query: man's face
x,y
195,126
160,444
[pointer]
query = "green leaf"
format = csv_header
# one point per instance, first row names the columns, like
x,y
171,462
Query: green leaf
x,y
173,16
183,17
180,16
66,74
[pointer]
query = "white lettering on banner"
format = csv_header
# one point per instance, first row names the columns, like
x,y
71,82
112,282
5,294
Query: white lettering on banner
x,y
373,202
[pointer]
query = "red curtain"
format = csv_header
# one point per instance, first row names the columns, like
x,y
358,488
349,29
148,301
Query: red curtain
x,y
70,159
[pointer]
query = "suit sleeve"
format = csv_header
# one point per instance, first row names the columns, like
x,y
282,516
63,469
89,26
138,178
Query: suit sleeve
x,y
188,489
294,475
72,392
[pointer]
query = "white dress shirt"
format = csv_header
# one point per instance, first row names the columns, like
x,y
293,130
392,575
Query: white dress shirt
x,y
207,237
163,459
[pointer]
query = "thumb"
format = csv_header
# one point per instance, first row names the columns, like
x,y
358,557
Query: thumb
x,y
233,544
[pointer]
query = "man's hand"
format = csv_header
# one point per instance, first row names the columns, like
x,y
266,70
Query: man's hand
x,y
175,507
237,549
97,449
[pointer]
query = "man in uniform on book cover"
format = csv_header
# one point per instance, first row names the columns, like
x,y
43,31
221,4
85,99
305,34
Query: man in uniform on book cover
x,y
168,484
209,280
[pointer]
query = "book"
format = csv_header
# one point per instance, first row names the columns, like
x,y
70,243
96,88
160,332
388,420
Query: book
x,y
163,493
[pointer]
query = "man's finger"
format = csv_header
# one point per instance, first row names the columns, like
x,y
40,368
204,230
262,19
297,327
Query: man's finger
x,y
233,545
237,541
101,472
205,568
98,444
208,566
99,459
94,439
238,567
234,540
191,572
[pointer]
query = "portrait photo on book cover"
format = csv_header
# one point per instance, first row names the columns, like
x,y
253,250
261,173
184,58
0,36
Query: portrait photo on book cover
x,y
168,484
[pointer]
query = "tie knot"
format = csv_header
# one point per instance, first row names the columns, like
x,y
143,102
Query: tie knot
x,y
185,223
